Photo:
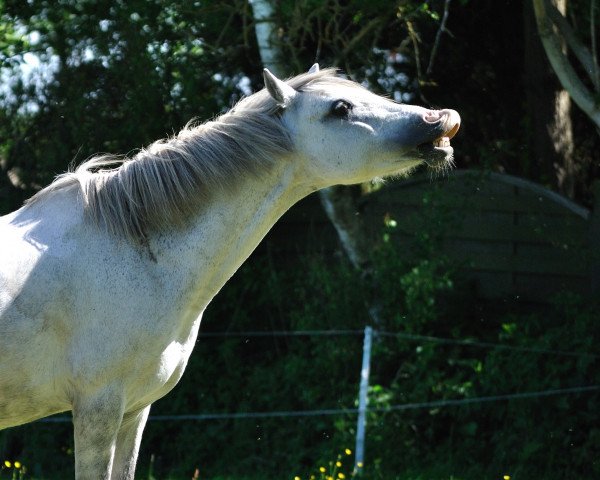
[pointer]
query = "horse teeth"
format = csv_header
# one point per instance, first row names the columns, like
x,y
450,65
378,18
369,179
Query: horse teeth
x,y
442,142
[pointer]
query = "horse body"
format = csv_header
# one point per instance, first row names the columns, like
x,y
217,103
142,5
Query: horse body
x,y
99,323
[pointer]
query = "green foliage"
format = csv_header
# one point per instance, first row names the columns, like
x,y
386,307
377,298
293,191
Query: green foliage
x,y
482,440
123,74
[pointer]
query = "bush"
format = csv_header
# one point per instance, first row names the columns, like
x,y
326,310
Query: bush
x,y
551,437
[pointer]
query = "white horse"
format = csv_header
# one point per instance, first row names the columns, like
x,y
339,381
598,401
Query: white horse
x,y
105,273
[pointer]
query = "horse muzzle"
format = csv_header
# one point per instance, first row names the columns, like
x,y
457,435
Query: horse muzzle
x,y
448,121
443,125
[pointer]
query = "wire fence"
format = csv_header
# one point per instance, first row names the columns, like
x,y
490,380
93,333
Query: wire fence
x,y
577,390
354,411
400,335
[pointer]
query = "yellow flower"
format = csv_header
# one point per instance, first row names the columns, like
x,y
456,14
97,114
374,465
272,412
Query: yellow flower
x,y
338,464
296,478
341,476
348,451
359,464
506,477
322,469
7,464
17,464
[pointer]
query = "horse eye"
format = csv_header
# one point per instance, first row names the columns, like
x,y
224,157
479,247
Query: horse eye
x,y
341,109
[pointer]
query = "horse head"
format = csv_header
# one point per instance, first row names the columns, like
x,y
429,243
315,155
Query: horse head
x,y
346,134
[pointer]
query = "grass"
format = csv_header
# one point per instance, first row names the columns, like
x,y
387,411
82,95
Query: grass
x,y
342,468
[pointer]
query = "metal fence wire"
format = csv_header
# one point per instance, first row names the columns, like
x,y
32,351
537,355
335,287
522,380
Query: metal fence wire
x,y
578,390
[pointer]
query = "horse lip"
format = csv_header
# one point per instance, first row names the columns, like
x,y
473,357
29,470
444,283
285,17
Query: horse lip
x,y
435,156
448,119
429,149
452,123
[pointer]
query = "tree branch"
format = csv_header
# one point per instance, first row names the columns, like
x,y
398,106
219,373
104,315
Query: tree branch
x,y
414,36
438,37
582,53
596,77
359,36
562,68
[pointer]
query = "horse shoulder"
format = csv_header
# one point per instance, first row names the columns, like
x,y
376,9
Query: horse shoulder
x,y
37,242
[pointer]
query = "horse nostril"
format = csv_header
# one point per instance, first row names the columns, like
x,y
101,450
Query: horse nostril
x,y
448,120
432,116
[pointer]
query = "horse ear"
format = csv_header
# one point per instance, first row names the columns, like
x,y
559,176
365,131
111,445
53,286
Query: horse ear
x,y
314,69
281,92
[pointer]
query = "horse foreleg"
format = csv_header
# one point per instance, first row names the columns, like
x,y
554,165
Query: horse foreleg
x,y
96,422
128,444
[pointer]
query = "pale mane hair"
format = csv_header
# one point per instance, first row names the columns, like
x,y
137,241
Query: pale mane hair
x,y
164,183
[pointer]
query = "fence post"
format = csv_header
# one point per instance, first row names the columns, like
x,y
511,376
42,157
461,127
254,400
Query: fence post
x,y
361,423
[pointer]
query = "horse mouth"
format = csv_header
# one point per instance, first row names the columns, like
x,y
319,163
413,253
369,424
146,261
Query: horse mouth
x,y
439,153
443,146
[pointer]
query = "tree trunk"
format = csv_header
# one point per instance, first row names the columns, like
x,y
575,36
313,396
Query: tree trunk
x,y
549,110
561,132
340,204
265,27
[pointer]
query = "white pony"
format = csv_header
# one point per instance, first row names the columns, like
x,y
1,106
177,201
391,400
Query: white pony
x,y
105,273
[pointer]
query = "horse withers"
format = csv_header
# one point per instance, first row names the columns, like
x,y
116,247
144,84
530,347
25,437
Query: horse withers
x,y
105,273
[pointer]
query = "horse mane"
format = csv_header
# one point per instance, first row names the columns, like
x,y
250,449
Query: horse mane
x,y
164,183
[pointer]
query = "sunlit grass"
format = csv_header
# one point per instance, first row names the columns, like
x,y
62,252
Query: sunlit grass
x,y
340,469
13,470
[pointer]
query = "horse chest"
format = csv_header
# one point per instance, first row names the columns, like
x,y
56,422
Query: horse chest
x,y
158,371
172,364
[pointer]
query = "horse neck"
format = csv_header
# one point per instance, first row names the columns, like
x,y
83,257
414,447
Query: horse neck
x,y
220,238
